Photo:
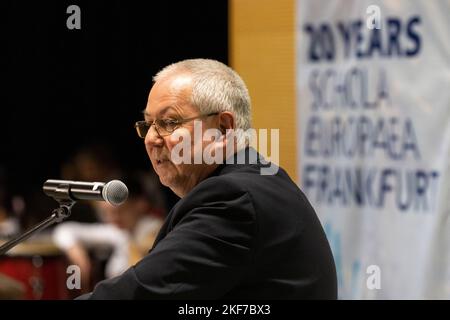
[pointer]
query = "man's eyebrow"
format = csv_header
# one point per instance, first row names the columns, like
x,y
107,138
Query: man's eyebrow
x,y
163,110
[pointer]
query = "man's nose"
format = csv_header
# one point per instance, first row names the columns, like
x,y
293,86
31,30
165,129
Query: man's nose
x,y
153,138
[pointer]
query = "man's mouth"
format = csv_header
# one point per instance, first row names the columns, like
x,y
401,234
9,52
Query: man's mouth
x,y
160,161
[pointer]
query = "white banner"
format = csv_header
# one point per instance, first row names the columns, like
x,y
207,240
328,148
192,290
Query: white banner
x,y
373,102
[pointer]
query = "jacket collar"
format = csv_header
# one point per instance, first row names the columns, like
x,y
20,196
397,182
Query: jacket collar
x,y
245,156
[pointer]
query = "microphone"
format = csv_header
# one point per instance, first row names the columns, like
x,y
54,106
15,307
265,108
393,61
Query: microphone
x,y
114,192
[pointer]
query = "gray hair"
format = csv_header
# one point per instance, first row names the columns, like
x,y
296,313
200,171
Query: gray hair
x,y
215,88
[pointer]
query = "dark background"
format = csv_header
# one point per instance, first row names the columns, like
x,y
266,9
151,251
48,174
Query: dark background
x,y
62,89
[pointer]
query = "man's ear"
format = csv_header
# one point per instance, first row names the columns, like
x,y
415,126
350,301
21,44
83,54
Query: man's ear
x,y
226,121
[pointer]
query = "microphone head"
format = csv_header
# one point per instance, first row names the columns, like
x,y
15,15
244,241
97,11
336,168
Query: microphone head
x,y
115,192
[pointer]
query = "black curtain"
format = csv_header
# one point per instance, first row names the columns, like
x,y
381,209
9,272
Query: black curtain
x,y
61,88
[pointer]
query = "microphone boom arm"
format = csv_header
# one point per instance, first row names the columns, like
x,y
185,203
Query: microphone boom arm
x,y
58,215
67,193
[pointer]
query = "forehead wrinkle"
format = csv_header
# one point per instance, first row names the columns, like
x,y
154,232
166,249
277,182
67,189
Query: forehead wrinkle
x,y
161,112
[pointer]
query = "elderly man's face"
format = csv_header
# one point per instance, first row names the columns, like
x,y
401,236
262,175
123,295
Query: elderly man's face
x,y
169,99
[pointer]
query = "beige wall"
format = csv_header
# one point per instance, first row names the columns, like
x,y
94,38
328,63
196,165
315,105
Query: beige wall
x,y
262,52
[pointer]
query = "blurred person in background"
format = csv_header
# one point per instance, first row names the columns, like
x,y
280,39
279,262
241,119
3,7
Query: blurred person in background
x,y
9,223
91,163
9,226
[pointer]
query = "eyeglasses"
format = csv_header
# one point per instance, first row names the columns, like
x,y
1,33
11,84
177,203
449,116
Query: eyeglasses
x,y
165,127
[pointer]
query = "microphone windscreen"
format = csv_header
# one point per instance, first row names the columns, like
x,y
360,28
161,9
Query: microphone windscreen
x,y
115,192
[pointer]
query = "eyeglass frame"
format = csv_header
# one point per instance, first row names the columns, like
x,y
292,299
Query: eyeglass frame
x,y
179,122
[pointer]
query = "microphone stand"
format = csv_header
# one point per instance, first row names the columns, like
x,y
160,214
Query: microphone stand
x,y
58,215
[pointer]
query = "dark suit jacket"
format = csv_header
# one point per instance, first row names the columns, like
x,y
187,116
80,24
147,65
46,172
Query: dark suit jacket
x,y
237,235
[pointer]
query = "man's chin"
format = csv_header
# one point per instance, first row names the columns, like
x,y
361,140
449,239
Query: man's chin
x,y
165,181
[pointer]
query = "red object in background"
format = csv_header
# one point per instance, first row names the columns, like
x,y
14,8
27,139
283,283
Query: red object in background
x,y
43,274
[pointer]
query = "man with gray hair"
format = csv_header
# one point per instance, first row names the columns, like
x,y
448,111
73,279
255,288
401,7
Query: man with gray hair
x,y
235,233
